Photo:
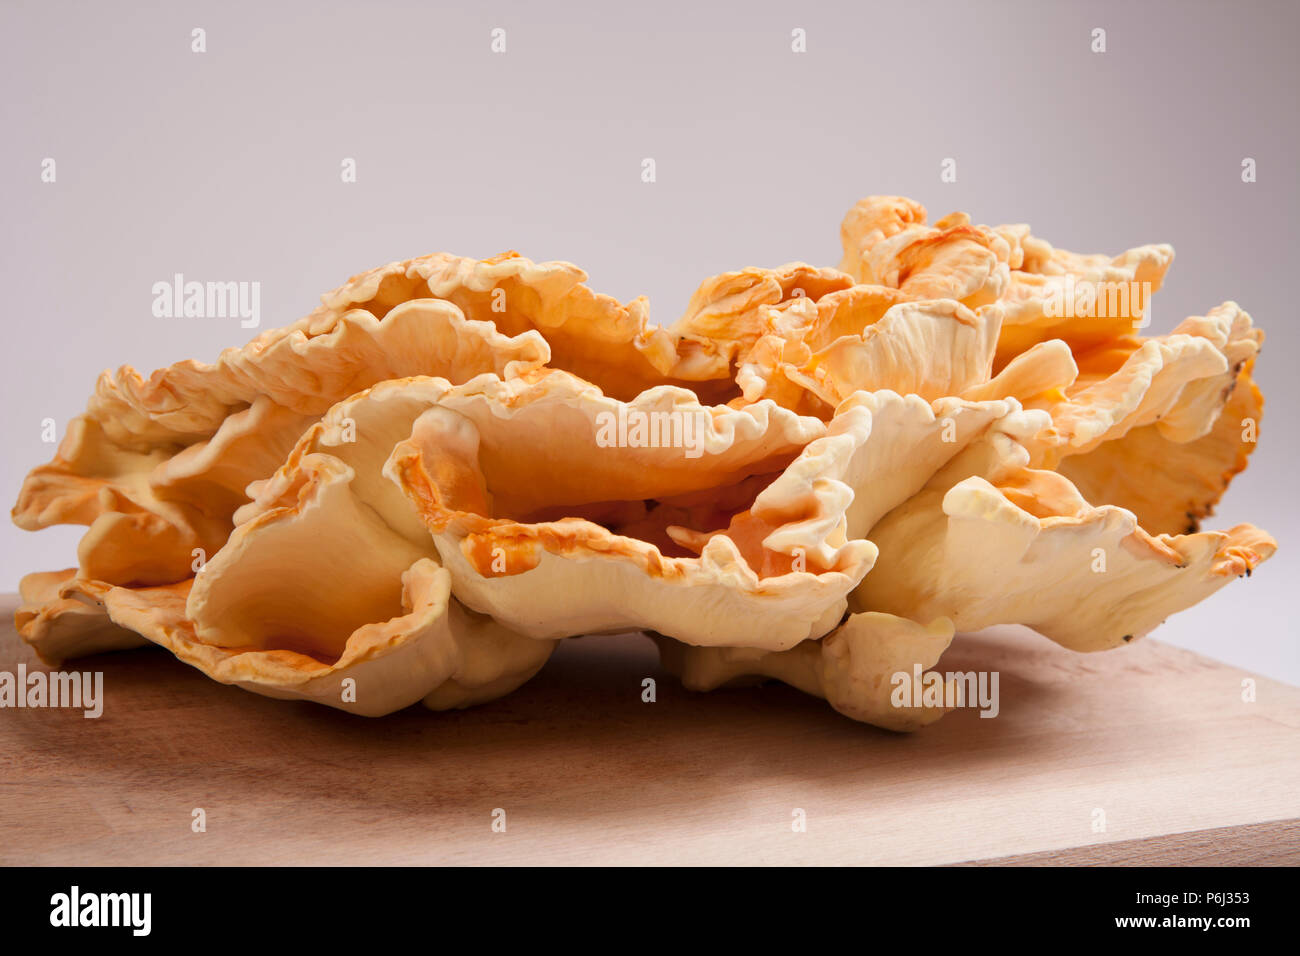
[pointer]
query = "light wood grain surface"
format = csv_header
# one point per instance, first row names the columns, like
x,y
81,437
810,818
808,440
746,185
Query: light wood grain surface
x,y
1155,737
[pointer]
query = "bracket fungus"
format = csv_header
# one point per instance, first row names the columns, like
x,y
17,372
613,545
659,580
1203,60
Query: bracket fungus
x,y
816,475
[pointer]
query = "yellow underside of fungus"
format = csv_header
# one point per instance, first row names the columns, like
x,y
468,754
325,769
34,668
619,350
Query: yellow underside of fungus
x,y
818,475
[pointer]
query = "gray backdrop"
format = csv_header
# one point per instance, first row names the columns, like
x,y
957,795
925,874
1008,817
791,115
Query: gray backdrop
x,y
226,165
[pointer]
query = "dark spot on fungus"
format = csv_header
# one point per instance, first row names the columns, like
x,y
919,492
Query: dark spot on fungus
x,y
1127,638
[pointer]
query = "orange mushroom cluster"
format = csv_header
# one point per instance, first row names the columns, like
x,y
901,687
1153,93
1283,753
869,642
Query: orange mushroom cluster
x,y
817,475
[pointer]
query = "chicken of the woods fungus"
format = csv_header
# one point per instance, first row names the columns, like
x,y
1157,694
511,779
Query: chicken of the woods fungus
x,y
818,475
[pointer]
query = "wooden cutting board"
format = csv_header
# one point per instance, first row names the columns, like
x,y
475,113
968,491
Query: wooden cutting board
x,y
1156,739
